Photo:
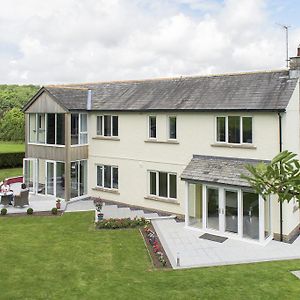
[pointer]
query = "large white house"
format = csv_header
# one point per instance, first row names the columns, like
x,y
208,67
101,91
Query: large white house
x,y
175,145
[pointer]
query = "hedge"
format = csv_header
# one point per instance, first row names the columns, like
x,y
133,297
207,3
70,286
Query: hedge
x,y
11,160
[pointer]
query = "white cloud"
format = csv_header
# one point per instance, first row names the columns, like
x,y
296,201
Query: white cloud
x,y
63,41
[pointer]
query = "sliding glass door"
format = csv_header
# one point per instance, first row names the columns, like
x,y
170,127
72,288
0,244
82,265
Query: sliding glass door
x,y
50,179
213,209
78,178
231,211
29,173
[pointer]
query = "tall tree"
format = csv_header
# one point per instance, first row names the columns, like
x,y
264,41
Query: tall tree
x,y
12,125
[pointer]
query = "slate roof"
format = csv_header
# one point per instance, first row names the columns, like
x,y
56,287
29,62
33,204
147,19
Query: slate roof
x,y
265,91
218,170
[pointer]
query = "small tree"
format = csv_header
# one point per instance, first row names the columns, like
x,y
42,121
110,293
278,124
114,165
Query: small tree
x,y
280,177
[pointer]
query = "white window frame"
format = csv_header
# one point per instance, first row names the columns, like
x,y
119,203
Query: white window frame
x,y
157,184
35,142
80,131
102,125
169,128
226,129
149,127
111,176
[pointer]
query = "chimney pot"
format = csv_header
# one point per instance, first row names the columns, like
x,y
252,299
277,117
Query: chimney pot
x,y
298,50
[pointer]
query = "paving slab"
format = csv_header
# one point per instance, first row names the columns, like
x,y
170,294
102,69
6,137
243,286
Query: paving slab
x,y
37,202
184,243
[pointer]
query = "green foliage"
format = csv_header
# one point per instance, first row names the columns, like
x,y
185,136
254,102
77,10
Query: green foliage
x,y
3,211
54,211
7,173
12,99
281,177
15,96
8,147
64,258
121,223
11,160
12,125
29,211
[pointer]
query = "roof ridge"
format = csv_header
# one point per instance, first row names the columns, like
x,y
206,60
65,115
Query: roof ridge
x,y
70,85
65,87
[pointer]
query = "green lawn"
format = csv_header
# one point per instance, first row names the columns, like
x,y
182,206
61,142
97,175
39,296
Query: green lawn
x,y
65,258
6,173
7,147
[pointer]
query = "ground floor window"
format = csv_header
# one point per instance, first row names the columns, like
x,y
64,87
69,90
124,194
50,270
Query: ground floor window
x,y
45,177
228,210
107,177
163,184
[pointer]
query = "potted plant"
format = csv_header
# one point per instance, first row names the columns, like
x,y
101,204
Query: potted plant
x,y
98,209
58,204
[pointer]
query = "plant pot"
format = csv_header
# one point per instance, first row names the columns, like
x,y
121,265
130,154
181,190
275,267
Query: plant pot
x,y
100,216
58,205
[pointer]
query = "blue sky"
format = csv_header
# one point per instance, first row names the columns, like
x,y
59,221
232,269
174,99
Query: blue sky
x,y
61,41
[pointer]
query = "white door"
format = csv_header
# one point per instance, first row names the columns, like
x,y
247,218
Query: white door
x,y
223,209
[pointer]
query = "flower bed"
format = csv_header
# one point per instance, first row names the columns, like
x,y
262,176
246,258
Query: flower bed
x,y
157,253
121,223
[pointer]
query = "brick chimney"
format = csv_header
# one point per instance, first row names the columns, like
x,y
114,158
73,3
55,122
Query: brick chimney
x,y
295,65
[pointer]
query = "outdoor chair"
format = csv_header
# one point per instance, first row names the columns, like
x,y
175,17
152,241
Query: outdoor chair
x,y
5,200
22,199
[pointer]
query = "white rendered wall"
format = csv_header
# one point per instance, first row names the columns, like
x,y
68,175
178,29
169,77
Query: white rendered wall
x,y
134,155
291,142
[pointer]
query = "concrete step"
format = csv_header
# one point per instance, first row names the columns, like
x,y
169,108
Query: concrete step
x,y
151,216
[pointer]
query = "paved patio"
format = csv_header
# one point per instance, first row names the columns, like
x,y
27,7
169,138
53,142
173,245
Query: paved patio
x,y
37,203
194,252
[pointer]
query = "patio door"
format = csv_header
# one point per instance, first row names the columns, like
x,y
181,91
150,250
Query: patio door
x,y
50,179
213,212
29,173
222,210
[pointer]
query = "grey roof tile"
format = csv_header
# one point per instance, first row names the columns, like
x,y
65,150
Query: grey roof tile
x,y
249,91
221,170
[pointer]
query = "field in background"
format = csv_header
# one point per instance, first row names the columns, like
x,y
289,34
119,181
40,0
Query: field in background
x,y
6,173
9,147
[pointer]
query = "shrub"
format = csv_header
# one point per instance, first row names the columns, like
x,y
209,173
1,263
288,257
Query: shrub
x,y
121,223
3,211
29,211
11,160
54,211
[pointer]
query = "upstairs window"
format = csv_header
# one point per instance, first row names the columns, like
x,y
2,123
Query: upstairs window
x,y
108,125
234,130
79,135
172,128
47,129
152,127
163,184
